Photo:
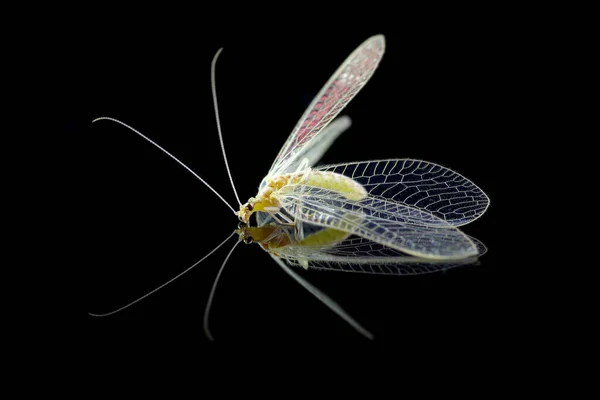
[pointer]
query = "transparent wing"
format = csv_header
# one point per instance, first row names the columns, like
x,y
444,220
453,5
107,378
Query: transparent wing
x,y
263,218
420,184
357,254
314,150
343,85
392,224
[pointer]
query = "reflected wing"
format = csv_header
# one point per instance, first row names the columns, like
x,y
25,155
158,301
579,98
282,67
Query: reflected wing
x,y
421,184
387,222
357,254
343,85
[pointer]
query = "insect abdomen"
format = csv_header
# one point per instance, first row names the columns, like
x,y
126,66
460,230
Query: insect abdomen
x,y
339,183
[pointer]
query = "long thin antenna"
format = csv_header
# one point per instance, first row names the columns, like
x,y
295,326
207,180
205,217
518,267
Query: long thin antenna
x,y
211,296
335,307
164,284
170,155
213,84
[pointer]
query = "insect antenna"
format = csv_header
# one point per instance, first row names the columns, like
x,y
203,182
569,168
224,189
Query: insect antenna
x,y
166,283
167,153
213,84
211,296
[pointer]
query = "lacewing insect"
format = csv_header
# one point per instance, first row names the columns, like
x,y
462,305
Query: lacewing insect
x,y
395,216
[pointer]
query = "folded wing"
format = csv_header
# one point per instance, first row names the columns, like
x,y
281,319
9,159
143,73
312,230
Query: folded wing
x,y
427,186
410,230
357,254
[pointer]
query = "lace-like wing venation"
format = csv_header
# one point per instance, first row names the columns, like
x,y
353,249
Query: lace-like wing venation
x,y
413,231
418,266
357,254
361,248
314,150
343,85
421,184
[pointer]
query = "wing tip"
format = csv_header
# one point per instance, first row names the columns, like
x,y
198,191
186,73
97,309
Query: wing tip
x,y
378,38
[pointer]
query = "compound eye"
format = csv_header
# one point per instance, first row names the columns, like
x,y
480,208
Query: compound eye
x,y
248,239
249,207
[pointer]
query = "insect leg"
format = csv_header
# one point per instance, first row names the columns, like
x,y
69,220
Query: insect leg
x,y
286,218
282,219
272,210
274,216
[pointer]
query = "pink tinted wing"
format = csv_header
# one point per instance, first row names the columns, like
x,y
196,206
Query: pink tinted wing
x,y
343,85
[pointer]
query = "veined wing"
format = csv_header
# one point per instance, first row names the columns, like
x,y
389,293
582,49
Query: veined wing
x,y
392,224
359,248
357,254
314,149
421,184
343,85
263,218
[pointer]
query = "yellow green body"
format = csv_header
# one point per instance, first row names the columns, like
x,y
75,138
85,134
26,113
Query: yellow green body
x,y
276,186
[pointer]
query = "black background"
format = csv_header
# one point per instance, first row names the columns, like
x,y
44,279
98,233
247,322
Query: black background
x,y
439,94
